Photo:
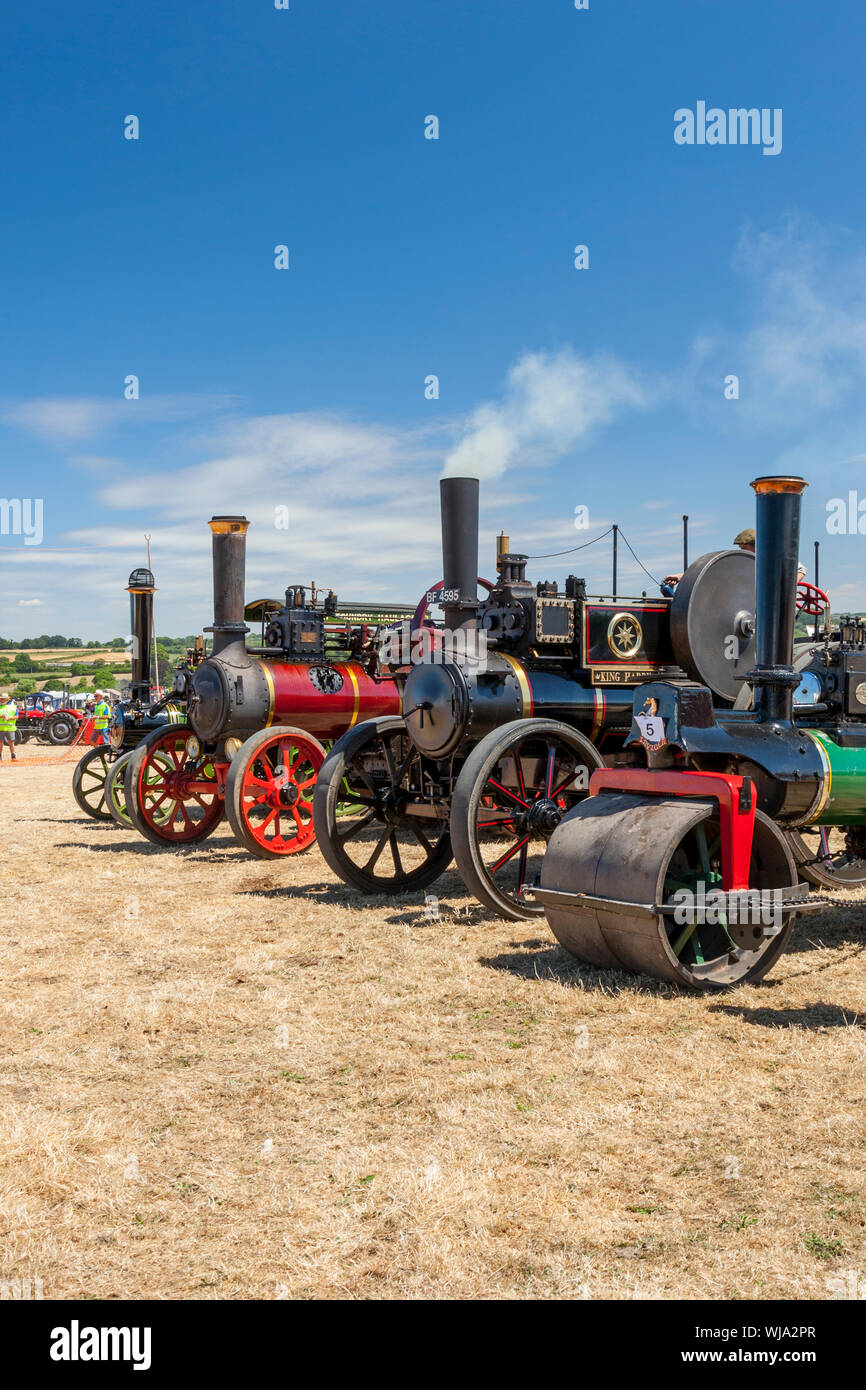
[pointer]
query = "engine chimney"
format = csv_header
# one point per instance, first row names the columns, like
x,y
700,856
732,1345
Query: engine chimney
x,y
141,587
459,504
777,530
229,563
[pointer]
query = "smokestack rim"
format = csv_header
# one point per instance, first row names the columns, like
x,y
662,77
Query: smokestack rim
x,y
222,525
783,482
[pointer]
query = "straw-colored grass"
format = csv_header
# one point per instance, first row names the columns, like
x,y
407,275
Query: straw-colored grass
x,y
228,1078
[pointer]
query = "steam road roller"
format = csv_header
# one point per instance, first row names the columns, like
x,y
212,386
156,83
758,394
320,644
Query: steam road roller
x,y
502,726
681,867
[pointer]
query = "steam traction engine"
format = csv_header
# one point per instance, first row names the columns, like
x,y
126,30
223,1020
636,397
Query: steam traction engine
x,y
251,743
680,867
497,741
97,782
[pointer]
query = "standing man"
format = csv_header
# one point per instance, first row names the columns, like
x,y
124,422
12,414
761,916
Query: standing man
x,y
746,539
101,718
8,725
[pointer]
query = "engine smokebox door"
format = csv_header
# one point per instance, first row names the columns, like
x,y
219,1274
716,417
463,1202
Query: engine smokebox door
x,y
435,707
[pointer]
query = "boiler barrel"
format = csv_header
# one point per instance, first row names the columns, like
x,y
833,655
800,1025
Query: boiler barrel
x,y
234,693
448,707
842,798
327,700
592,708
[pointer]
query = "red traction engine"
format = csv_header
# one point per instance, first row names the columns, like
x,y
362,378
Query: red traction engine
x,y
257,718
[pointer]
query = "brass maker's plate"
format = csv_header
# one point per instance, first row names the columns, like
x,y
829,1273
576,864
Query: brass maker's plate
x,y
624,635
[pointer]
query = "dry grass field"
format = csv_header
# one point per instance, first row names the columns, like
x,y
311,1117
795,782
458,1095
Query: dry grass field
x,y
229,1079
52,656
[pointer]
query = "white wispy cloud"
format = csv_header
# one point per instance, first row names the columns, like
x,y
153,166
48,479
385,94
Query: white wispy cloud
x,y
69,418
551,403
278,457
802,350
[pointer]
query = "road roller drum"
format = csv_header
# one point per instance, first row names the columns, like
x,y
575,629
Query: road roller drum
x,y
620,858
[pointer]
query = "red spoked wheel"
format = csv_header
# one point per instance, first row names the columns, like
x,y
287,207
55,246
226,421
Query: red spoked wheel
x,y
269,791
811,599
172,789
514,788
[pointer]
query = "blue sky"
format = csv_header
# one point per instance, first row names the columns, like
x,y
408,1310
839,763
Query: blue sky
x,y
304,388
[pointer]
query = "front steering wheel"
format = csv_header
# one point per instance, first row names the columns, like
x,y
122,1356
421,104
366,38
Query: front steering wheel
x,y
427,598
811,599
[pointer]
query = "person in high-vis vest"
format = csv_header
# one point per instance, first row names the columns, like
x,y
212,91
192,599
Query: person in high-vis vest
x,y
101,718
8,725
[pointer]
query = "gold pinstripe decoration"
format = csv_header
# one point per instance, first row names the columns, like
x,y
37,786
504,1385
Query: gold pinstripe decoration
x,y
525,691
815,811
271,695
357,694
597,713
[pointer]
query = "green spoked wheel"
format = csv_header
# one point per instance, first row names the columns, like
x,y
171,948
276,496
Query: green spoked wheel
x,y
512,792
393,841
115,791
269,791
172,791
347,805
687,874
89,782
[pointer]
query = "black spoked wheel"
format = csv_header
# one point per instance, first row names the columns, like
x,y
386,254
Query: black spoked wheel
x,y
89,782
830,856
512,792
369,807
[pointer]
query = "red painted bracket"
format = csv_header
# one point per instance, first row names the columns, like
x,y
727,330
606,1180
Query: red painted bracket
x,y
735,796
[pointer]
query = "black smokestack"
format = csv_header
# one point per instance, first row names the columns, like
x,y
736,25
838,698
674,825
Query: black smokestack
x,y
141,587
777,544
459,502
229,565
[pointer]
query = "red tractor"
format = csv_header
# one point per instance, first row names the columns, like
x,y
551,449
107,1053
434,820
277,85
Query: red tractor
x,y
64,725
31,719
40,718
